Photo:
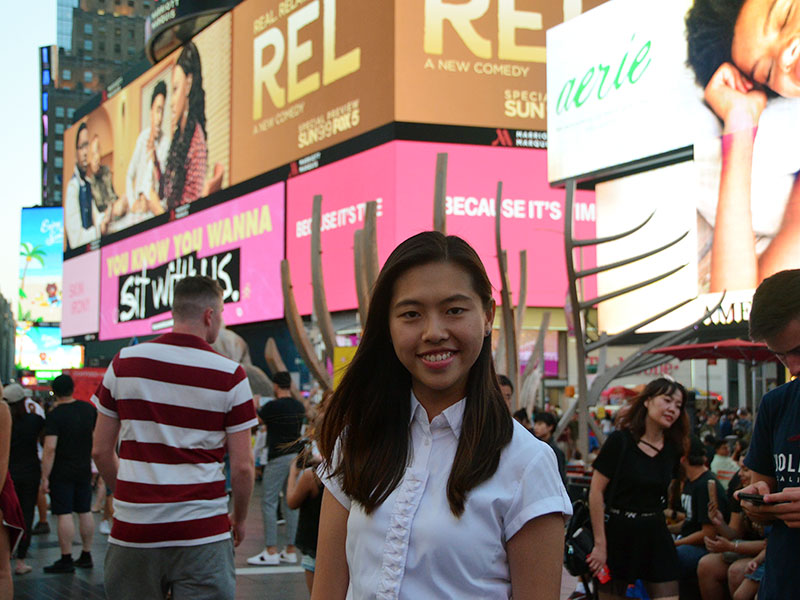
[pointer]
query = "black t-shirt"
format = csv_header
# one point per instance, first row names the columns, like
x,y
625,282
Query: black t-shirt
x,y
73,423
775,452
284,420
23,459
642,480
694,499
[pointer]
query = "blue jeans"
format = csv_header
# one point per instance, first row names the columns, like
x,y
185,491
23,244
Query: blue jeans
x,y
276,472
688,557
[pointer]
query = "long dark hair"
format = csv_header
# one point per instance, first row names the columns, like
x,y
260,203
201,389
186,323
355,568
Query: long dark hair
x,y
633,416
175,171
369,412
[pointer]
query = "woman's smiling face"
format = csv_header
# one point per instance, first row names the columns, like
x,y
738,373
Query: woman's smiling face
x,y
438,324
766,44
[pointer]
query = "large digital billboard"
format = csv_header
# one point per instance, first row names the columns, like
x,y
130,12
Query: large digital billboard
x,y
479,63
40,257
675,84
40,348
238,243
307,75
400,176
81,312
159,143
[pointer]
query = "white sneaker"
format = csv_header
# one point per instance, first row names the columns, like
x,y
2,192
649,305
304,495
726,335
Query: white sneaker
x,y
287,557
264,559
105,527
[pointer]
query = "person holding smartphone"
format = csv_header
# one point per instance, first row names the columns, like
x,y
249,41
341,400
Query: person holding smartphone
x,y
775,446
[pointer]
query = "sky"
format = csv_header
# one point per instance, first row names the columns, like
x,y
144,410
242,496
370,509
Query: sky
x,y
23,28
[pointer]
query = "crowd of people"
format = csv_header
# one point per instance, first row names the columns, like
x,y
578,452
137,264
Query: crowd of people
x,y
412,479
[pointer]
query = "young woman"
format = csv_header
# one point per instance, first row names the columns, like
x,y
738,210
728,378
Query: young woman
x,y
12,523
185,171
628,493
431,489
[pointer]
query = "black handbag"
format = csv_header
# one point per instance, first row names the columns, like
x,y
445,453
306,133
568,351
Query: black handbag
x,y
579,539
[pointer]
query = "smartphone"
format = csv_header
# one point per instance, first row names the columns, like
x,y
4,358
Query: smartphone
x,y
712,491
758,499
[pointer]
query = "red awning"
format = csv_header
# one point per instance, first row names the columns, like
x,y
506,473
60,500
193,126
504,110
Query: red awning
x,y
731,349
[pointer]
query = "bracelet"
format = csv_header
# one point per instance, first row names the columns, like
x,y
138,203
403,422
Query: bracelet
x,y
736,546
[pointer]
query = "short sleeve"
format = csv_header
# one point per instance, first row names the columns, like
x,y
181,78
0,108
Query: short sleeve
x,y
331,482
759,457
103,398
51,423
241,413
266,411
540,492
610,454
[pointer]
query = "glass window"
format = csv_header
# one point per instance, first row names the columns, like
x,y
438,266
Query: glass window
x,y
59,162
87,28
87,44
59,111
102,46
66,74
57,195
87,76
131,50
59,145
117,48
70,113
59,128
131,34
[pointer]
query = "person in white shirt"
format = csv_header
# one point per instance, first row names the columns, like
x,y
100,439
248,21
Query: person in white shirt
x,y
150,153
432,490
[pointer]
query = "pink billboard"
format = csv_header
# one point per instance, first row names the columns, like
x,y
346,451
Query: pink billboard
x,y
401,176
81,295
239,243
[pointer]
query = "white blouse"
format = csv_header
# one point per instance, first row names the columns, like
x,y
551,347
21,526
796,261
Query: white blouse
x,y
412,546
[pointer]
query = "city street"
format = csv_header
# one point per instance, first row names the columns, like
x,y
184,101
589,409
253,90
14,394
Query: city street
x,y
272,583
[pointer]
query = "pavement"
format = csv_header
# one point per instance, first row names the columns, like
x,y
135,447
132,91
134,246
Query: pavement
x,y
285,582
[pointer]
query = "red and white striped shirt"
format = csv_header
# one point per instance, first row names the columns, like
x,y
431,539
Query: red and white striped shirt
x,y
177,400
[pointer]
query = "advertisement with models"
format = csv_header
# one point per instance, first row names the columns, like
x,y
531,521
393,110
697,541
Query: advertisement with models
x,y
400,176
158,144
739,196
238,243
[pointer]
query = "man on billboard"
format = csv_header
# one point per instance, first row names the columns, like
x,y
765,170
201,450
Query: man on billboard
x,y
176,407
100,181
740,50
149,156
774,452
81,216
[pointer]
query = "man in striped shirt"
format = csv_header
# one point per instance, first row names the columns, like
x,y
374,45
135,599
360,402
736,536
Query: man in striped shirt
x,y
176,407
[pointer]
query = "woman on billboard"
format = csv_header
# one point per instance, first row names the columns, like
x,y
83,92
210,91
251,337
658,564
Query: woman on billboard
x,y
741,51
185,171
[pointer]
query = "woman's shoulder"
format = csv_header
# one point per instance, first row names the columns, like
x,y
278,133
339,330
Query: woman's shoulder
x,y
524,447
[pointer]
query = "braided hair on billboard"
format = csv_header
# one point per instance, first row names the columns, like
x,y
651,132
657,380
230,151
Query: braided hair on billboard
x,y
189,62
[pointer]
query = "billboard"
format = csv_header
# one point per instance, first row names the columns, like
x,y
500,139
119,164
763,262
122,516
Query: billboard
x,y
610,104
400,176
81,311
40,260
160,143
307,75
238,243
739,195
39,348
479,63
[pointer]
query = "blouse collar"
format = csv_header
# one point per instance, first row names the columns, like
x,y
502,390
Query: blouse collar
x,y
452,415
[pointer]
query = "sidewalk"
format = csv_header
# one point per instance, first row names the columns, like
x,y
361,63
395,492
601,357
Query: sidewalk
x,y
270,583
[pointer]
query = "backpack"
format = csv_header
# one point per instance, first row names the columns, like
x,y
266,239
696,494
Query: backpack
x,y
579,540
